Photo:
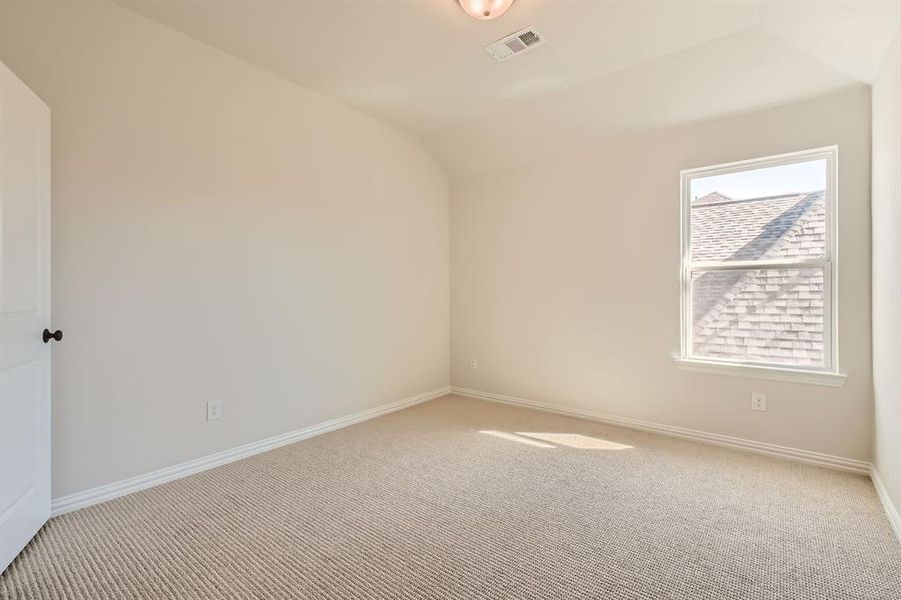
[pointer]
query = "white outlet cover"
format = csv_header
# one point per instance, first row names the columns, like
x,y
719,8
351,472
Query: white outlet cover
x,y
758,401
213,410
473,363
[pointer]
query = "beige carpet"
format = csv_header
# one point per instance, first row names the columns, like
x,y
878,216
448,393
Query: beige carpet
x,y
459,498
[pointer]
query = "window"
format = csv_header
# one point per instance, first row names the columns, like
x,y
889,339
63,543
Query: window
x,y
758,267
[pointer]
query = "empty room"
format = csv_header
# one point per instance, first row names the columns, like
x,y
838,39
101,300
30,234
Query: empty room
x,y
450,299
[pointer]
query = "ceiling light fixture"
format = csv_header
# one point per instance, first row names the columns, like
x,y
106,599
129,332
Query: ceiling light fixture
x,y
485,9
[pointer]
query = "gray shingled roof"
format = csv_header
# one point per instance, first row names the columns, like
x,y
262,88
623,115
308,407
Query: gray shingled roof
x,y
764,315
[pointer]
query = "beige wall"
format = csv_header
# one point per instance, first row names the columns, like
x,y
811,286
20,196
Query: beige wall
x,y
220,233
887,271
565,281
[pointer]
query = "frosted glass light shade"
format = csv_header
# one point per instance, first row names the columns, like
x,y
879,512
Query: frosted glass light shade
x,y
485,9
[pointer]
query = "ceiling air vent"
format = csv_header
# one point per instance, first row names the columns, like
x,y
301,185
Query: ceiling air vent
x,y
516,43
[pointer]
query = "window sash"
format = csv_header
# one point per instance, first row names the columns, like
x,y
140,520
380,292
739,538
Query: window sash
x,y
743,265
828,357
827,262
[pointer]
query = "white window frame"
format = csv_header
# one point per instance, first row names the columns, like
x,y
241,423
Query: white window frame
x,y
828,374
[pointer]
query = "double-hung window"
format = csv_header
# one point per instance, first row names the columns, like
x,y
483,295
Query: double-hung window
x,y
758,267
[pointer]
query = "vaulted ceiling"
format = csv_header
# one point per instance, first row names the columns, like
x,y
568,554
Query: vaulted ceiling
x,y
607,66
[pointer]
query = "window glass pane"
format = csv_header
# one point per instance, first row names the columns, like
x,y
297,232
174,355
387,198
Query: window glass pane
x,y
773,213
761,315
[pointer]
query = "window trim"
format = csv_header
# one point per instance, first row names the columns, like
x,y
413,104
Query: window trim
x,y
829,374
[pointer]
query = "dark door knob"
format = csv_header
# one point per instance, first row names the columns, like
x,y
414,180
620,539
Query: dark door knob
x,y
56,335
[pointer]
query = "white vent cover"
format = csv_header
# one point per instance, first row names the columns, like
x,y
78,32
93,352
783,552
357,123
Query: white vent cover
x,y
515,43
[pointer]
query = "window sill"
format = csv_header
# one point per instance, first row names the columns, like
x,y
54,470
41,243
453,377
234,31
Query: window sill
x,y
760,372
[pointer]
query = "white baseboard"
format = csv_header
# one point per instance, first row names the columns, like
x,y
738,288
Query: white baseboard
x,y
796,454
133,484
891,512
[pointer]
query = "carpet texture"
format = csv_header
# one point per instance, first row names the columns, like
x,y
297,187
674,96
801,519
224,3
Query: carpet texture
x,y
459,498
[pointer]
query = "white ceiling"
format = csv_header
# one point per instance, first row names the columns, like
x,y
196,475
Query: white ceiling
x,y
606,66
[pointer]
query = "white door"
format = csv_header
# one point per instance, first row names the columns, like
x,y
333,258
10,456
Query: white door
x,y
24,313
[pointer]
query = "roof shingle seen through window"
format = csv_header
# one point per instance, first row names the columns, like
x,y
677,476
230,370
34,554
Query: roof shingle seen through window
x,y
759,315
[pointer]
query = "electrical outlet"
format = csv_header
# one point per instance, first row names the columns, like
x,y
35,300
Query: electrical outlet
x,y
758,401
213,410
474,363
